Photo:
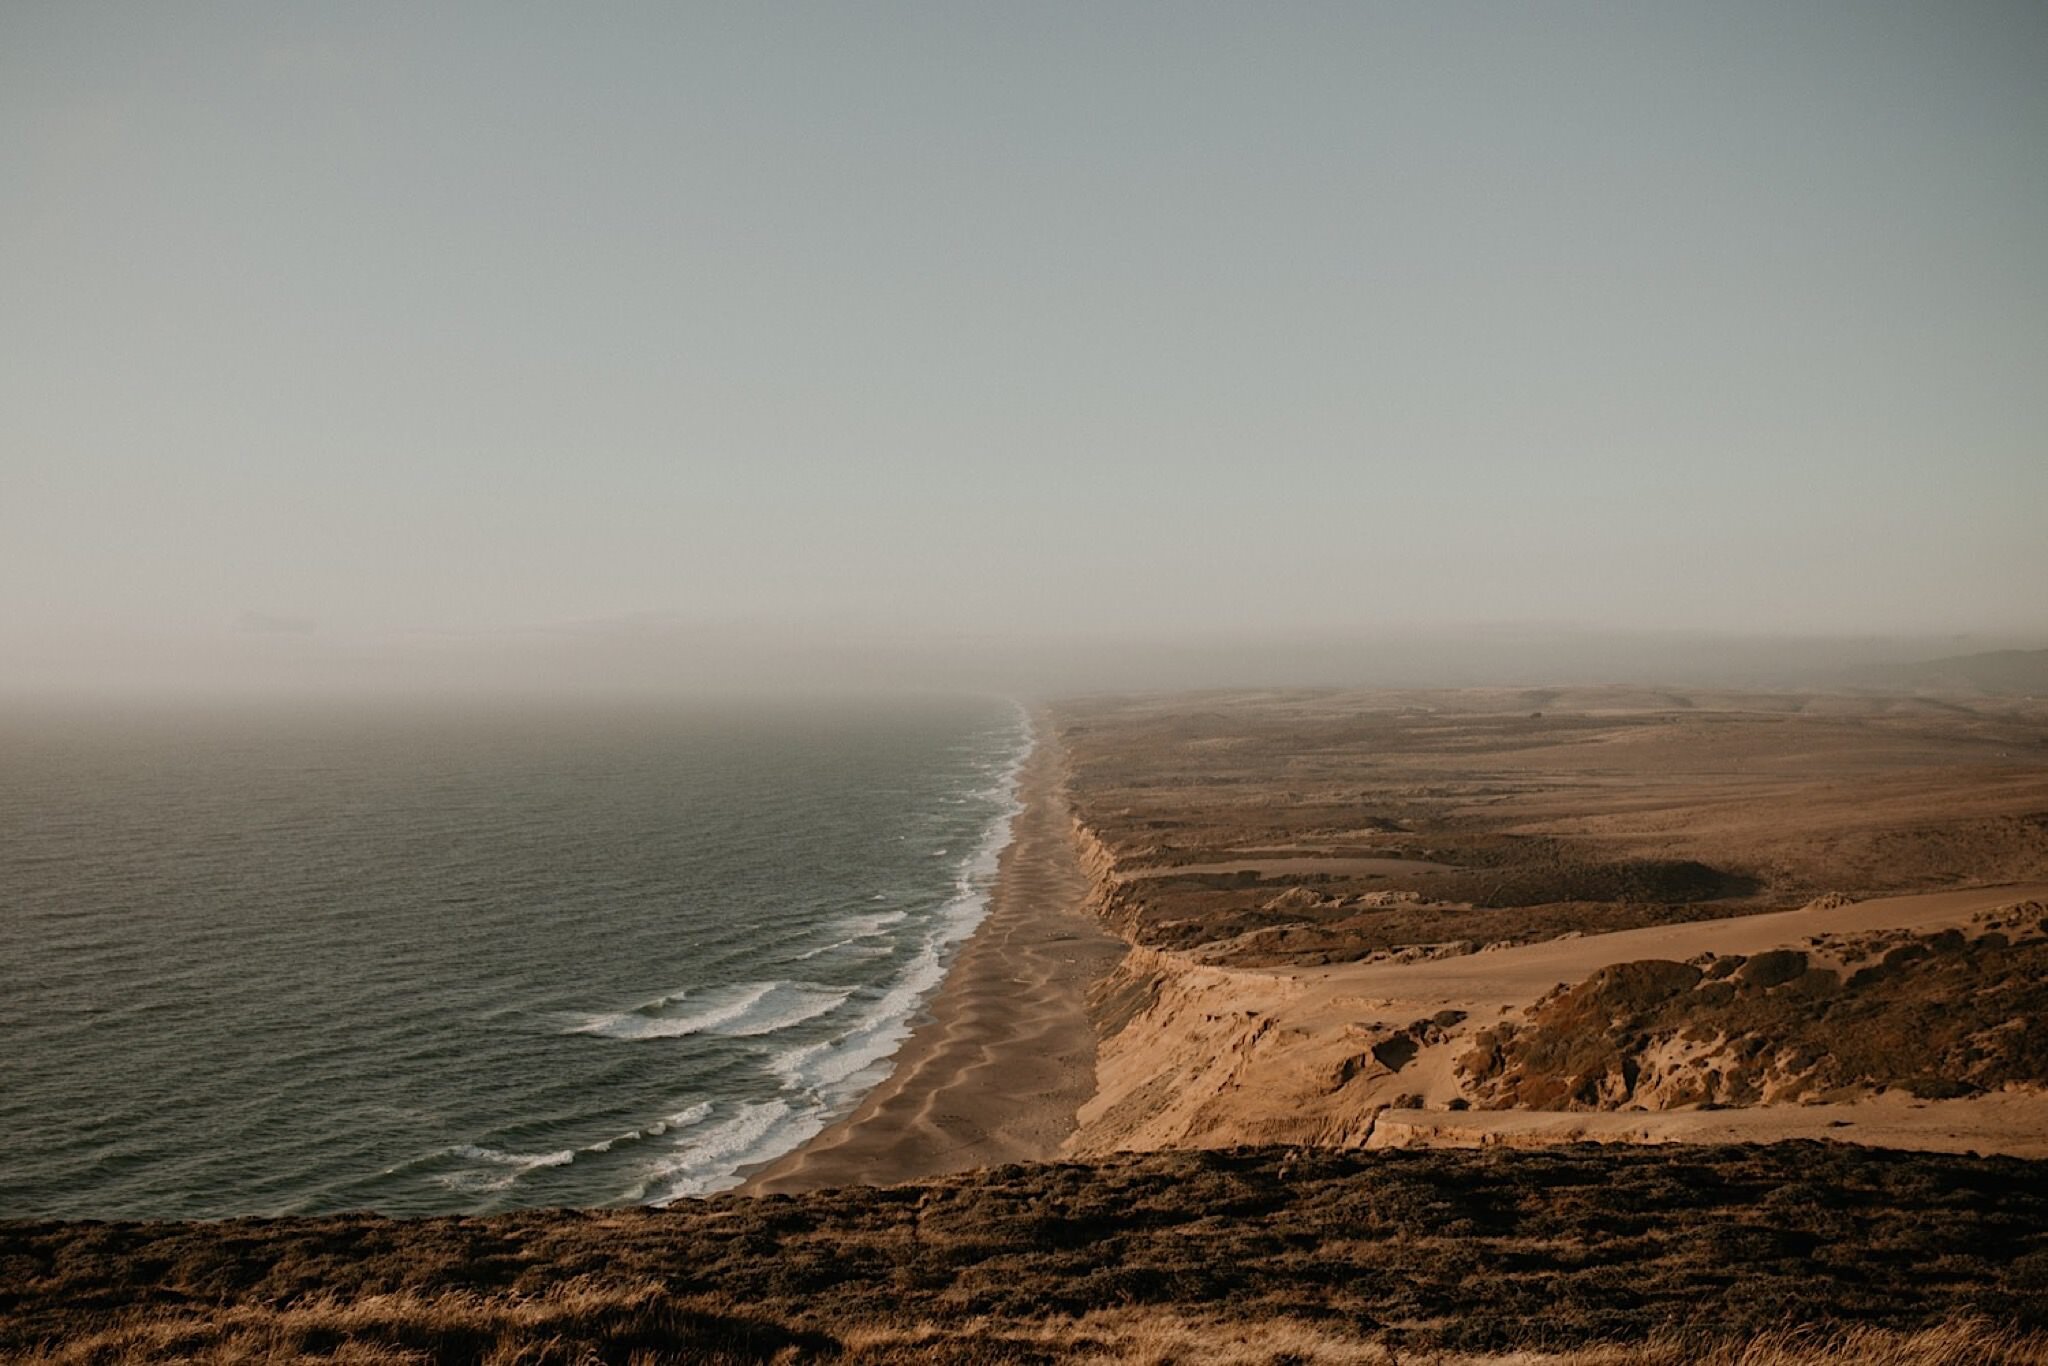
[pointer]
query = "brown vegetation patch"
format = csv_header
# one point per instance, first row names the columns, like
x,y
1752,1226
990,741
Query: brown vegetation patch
x,y
1437,818
1939,1015
1472,1251
1336,928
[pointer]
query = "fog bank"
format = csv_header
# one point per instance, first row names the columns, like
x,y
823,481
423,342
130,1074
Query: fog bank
x,y
667,657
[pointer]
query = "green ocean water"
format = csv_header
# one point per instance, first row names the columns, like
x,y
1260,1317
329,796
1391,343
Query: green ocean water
x,y
426,959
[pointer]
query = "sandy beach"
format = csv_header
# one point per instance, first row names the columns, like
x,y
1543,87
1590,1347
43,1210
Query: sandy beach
x,y
1006,1053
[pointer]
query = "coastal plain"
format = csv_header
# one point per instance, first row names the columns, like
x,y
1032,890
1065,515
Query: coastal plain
x,y
1582,1026
1529,917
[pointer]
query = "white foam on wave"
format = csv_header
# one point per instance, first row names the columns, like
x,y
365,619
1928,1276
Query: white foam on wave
x,y
820,1080
834,1069
789,1004
868,926
681,1119
646,1022
825,1067
710,1159
497,1169
477,1154
741,1011
852,930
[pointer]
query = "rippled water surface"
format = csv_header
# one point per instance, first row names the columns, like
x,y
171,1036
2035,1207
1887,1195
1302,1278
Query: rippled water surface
x,y
424,959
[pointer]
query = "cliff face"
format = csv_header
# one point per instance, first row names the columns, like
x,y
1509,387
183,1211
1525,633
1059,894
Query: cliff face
x,y
1359,920
1197,1055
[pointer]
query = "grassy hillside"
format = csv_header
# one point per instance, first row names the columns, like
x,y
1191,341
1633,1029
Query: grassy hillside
x,y
1346,1254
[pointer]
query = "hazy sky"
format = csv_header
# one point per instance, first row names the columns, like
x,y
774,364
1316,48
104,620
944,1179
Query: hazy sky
x,y
339,320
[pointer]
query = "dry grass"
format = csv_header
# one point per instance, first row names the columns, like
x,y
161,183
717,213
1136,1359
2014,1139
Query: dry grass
x,y
1967,1343
1244,1255
566,1325
1611,810
1137,1339
1938,1015
647,1328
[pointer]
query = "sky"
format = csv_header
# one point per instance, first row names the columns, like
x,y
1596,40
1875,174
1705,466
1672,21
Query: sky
x,y
333,332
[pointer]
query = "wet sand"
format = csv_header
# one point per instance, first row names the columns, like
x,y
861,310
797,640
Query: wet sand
x,y
1006,1055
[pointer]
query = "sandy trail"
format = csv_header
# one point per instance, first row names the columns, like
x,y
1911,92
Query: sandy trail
x,y
1007,1054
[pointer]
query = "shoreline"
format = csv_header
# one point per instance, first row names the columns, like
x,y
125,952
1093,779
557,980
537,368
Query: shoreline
x,y
1004,1055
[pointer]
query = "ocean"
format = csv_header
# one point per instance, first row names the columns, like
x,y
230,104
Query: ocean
x,y
433,959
